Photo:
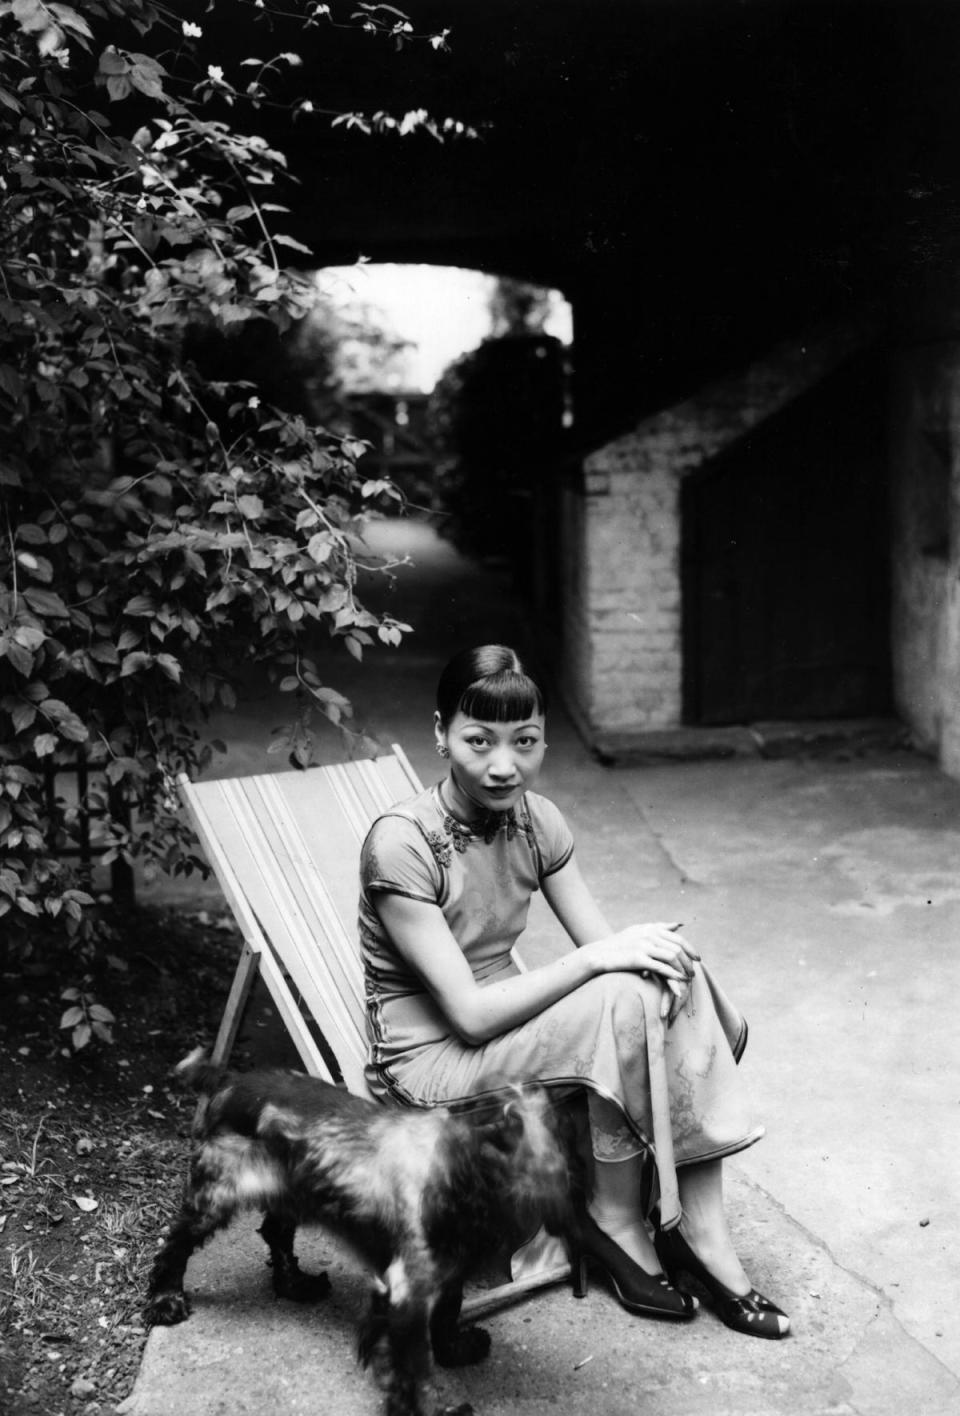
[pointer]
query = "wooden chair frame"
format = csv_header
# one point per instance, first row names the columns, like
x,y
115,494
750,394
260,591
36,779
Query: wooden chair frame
x,y
285,849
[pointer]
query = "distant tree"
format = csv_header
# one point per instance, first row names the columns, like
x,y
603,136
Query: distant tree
x,y
166,517
517,307
496,421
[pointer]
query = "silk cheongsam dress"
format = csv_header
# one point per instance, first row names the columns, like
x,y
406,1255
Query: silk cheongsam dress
x,y
675,1090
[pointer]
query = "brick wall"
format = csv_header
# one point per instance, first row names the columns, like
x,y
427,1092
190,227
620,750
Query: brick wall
x,y
622,653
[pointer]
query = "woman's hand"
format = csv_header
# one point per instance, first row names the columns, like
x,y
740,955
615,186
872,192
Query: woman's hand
x,y
650,949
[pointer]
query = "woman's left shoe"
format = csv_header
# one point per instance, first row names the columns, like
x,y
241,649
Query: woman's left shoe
x,y
646,1294
747,1312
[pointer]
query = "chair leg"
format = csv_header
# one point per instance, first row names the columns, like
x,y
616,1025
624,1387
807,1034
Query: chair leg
x,y
248,966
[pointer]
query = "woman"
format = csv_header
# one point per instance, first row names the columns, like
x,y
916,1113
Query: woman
x,y
630,1016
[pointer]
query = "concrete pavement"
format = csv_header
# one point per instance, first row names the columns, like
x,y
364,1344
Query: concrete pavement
x,y
825,893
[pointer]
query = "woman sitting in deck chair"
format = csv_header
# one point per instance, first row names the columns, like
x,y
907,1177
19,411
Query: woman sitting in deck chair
x,y
631,1016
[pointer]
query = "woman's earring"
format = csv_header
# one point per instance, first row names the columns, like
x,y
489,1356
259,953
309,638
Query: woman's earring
x,y
441,750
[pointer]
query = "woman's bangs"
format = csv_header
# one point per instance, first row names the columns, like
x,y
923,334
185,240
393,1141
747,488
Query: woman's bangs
x,y
507,697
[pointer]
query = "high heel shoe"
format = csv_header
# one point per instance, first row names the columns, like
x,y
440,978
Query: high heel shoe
x,y
651,1295
748,1312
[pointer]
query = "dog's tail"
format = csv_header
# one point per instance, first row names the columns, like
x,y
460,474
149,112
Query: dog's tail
x,y
198,1073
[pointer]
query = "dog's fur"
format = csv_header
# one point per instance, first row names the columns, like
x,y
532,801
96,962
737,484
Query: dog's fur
x,y
422,1194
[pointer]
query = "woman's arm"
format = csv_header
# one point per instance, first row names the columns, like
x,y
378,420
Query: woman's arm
x,y
477,1012
567,894
572,902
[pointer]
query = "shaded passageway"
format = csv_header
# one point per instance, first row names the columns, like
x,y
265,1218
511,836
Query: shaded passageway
x,y
823,892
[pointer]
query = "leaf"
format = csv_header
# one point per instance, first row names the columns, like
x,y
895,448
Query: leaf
x,y
133,663
250,507
140,605
170,666
146,75
112,61
80,1037
19,657
23,716
67,723
282,240
68,18
118,87
29,636
71,1017
37,566
320,547
10,381
46,603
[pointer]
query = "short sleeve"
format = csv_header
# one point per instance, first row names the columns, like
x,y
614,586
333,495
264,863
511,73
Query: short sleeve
x,y
554,837
396,859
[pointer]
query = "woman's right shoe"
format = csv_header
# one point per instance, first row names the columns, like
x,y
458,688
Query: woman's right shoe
x,y
748,1312
649,1295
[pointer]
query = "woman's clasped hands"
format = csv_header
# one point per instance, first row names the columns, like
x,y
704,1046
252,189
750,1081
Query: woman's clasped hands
x,y
652,950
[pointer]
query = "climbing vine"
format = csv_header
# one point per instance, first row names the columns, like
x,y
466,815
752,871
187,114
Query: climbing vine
x,y
160,529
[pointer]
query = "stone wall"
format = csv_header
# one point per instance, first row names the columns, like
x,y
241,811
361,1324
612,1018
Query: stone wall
x,y
925,480
622,652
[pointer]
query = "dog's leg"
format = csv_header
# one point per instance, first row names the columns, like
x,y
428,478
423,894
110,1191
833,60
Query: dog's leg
x,y
454,1346
373,1327
408,1341
166,1301
288,1280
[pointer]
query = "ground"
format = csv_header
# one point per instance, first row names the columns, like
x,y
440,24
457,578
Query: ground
x,y
92,1155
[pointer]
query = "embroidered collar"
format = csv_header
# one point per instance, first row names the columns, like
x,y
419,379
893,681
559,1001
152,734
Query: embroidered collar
x,y
485,827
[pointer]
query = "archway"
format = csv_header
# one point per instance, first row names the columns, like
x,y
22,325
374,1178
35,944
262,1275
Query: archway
x,y
459,381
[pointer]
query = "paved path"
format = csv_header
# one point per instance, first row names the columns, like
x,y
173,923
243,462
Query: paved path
x,y
826,894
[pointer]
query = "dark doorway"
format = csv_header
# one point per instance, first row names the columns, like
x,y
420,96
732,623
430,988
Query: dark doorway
x,y
786,564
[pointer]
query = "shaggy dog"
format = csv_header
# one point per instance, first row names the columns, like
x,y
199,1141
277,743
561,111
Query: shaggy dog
x,y
421,1194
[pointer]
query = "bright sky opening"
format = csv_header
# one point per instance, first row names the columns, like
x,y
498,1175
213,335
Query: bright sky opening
x,y
443,311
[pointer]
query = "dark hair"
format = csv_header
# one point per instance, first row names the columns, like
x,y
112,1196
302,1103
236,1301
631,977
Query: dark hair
x,y
491,684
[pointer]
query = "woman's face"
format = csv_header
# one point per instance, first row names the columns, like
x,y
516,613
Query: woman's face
x,y
492,764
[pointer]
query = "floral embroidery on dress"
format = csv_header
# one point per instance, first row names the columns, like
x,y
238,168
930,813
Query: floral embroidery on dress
x,y
441,848
487,827
459,834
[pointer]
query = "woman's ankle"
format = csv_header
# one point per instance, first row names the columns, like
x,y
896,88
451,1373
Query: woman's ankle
x,y
718,1256
630,1233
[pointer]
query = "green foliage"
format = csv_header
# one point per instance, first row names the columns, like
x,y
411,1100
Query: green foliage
x,y
159,529
85,1018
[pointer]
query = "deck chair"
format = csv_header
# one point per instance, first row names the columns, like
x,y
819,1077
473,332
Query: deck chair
x,y
285,848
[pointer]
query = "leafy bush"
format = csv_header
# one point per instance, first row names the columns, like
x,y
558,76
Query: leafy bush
x,y
160,529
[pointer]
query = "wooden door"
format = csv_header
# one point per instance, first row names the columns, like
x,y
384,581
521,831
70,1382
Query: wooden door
x,y
785,564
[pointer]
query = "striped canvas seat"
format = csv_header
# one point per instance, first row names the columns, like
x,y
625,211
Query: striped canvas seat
x,y
285,848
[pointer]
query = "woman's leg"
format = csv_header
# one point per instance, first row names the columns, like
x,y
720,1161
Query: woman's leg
x,y
704,1223
615,1205
617,1184
702,1246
